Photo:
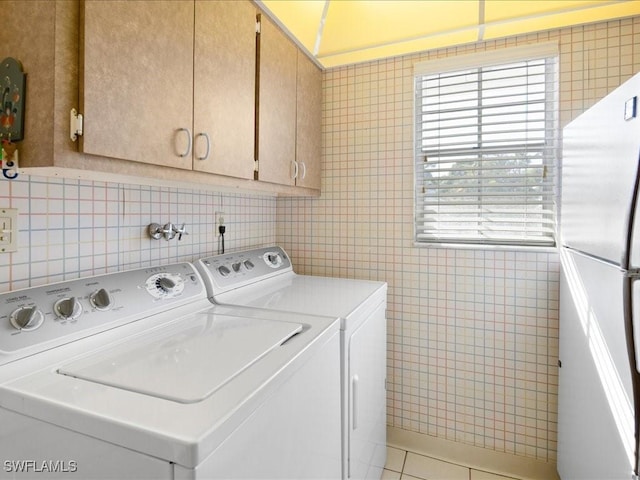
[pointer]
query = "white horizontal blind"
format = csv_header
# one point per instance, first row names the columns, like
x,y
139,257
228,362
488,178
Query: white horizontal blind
x,y
486,153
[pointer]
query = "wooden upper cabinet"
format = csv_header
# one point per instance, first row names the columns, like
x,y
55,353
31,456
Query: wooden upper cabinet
x,y
224,87
289,111
276,102
137,80
160,87
308,123
173,83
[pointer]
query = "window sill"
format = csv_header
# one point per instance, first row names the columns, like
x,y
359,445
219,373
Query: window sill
x,y
500,248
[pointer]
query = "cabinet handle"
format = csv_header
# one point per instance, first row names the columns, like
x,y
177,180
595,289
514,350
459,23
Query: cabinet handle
x,y
186,130
295,169
304,171
206,136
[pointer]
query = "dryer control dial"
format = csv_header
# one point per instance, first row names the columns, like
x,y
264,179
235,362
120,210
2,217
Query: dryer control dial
x,y
68,308
26,318
272,259
165,285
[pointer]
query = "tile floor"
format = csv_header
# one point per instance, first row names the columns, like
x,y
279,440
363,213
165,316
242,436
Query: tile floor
x,y
403,465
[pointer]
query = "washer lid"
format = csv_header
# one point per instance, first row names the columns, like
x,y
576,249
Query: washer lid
x,y
185,365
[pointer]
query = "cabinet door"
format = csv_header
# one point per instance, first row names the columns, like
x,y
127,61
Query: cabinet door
x,y
309,123
276,105
36,51
224,87
137,80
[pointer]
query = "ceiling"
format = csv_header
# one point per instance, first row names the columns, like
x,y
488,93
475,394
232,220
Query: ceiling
x,y
342,32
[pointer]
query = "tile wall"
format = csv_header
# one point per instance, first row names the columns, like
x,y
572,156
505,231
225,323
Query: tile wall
x,y
472,334
72,228
472,343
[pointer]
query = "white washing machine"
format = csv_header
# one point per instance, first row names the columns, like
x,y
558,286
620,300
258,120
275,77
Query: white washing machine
x,y
264,278
137,375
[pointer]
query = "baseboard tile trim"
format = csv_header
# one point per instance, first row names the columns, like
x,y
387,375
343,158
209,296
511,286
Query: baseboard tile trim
x,y
473,457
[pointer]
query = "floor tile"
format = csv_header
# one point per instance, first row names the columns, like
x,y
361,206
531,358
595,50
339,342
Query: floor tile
x,y
428,468
409,477
395,459
479,475
390,475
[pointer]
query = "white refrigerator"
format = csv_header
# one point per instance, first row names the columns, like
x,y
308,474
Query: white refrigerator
x,y
599,383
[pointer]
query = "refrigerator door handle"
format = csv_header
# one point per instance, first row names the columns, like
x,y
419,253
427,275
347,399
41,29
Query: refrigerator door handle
x,y
626,260
632,330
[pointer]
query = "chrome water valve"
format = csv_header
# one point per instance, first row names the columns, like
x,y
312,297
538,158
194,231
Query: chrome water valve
x,y
168,231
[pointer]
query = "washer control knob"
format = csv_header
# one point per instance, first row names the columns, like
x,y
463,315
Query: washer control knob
x,y
236,266
68,308
101,300
224,270
166,284
27,318
249,264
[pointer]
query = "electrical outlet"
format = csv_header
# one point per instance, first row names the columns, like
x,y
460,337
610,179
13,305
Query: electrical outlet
x,y
8,230
219,221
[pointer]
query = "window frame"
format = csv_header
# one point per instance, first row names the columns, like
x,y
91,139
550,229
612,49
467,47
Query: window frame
x,y
550,144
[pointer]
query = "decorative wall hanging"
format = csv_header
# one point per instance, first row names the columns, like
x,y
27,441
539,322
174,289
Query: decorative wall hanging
x,y
9,154
12,84
12,98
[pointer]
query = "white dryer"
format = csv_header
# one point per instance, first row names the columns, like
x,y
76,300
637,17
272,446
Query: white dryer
x,y
264,278
137,375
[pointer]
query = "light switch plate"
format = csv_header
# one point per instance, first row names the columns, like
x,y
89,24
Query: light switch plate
x,y
8,230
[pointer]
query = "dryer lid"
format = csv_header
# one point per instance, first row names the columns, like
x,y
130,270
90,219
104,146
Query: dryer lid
x,y
307,294
184,363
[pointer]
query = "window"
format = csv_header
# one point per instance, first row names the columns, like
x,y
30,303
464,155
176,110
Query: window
x,y
486,147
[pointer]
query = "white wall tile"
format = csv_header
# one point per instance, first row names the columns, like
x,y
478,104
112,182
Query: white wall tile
x,y
70,228
472,335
